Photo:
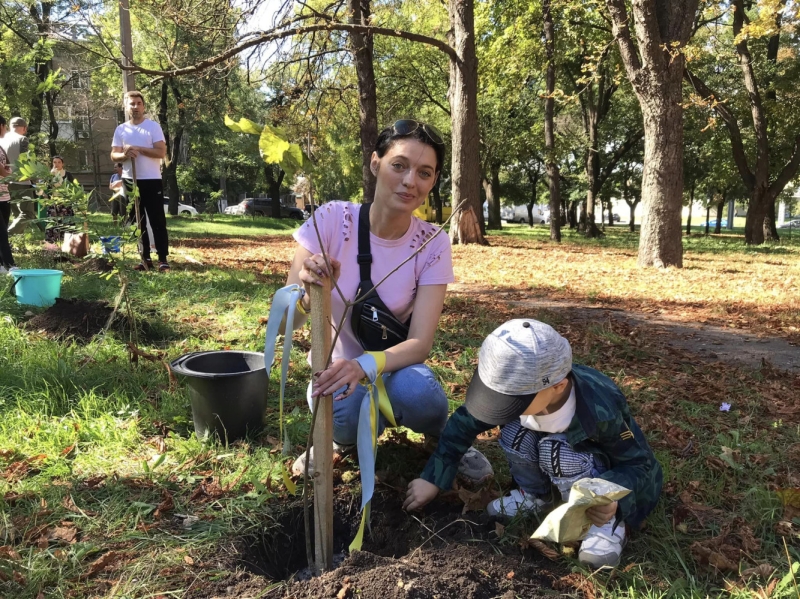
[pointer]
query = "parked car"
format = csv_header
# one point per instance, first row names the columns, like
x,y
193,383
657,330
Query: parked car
x,y
263,207
519,214
790,224
713,223
615,216
183,209
235,209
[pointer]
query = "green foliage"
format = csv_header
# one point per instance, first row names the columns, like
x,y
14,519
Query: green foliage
x,y
272,145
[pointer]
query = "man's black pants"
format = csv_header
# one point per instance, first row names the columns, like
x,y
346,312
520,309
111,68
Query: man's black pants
x,y
151,203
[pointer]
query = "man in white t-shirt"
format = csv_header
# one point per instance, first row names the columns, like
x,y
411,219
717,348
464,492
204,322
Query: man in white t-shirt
x,y
143,140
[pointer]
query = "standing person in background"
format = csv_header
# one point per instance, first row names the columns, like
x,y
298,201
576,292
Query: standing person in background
x,y
118,189
6,258
58,215
15,143
143,140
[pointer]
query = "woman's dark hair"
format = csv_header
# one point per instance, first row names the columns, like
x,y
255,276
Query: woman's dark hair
x,y
59,157
118,165
388,136
2,120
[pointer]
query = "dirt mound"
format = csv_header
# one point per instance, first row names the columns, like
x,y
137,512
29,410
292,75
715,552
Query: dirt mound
x,y
96,264
81,319
437,554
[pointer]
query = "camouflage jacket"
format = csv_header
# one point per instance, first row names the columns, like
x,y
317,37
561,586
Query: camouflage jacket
x,y
602,425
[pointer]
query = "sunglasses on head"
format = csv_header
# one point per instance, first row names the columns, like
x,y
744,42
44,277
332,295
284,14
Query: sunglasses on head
x,y
408,126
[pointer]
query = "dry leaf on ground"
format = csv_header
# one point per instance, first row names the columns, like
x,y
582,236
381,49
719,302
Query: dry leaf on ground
x,y
575,582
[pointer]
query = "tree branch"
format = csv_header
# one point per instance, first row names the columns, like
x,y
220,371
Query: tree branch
x,y
737,145
264,37
788,171
626,146
622,33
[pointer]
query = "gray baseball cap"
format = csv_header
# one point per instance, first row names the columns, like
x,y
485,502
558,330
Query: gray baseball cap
x,y
516,361
18,121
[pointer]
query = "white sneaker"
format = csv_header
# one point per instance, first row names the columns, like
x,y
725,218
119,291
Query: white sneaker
x,y
517,502
12,269
299,465
602,547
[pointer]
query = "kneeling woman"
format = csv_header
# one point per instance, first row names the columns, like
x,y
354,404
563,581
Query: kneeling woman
x,y
407,161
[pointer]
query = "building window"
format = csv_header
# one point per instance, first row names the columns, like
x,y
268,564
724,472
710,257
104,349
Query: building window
x,y
79,80
121,117
81,128
85,160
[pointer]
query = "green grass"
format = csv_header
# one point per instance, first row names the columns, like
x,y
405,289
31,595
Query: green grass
x,y
74,414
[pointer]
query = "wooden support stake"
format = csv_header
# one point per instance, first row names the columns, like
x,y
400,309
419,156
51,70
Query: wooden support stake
x,y
323,429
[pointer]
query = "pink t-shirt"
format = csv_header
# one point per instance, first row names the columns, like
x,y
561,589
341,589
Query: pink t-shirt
x,y
338,228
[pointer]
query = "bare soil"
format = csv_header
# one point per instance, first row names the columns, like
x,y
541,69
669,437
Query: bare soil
x,y
441,554
79,319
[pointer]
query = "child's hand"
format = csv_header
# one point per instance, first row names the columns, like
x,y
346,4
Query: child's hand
x,y
601,514
420,493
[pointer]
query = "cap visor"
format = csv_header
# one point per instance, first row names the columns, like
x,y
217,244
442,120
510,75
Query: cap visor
x,y
492,407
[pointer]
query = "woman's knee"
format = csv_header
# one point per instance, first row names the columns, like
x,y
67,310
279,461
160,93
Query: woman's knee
x,y
418,400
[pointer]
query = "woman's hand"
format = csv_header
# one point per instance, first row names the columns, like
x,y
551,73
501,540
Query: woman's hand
x,y
341,373
314,269
420,493
601,514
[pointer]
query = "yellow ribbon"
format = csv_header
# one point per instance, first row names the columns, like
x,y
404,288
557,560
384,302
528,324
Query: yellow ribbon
x,y
377,397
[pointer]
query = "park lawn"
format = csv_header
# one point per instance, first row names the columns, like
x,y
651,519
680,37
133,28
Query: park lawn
x,y
97,455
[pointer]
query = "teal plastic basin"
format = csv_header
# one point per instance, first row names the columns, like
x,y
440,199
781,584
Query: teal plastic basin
x,y
37,286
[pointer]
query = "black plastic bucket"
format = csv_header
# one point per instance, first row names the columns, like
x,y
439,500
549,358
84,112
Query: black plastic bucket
x,y
227,390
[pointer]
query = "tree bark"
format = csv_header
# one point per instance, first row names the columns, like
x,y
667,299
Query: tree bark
x,y
169,174
551,166
533,177
718,224
770,228
361,46
708,216
437,202
654,65
274,186
689,218
491,188
463,96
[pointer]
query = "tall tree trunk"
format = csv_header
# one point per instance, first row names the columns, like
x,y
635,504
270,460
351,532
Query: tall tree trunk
x,y
654,65
632,222
718,225
437,202
592,169
491,188
708,216
689,218
770,228
572,214
534,180
466,226
274,186
169,174
361,45
553,176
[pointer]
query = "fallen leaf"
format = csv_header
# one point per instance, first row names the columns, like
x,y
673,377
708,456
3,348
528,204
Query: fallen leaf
x,y
762,571
546,551
344,592
167,504
575,582
476,501
64,534
499,530
188,560
101,563
510,575
8,552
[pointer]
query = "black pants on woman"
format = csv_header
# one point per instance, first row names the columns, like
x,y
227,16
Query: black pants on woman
x,y
151,203
6,259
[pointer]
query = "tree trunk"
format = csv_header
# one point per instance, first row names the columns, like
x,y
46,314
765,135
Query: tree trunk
x,y
437,202
492,190
534,179
361,45
689,218
592,168
632,223
169,174
274,185
655,71
662,178
572,215
718,225
708,217
770,230
553,176
463,96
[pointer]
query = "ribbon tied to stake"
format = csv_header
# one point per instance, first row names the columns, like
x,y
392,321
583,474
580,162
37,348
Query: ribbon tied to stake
x,y
284,302
374,402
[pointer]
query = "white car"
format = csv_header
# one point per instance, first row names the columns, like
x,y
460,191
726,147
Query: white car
x,y
183,209
235,209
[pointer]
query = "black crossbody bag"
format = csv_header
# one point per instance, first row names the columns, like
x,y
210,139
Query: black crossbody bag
x,y
374,325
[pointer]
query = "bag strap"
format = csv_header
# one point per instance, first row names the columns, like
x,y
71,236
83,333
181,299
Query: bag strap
x,y
364,250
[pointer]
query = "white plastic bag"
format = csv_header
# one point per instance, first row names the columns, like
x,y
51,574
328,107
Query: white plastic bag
x,y
569,522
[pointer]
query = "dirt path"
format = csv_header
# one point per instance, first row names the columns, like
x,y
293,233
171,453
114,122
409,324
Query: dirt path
x,y
711,342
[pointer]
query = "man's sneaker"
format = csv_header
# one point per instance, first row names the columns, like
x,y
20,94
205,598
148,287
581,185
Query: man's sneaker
x,y
602,547
299,465
474,467
145,265
517,502
163,266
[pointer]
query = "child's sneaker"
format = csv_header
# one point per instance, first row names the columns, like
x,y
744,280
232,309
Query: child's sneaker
x,y
474,467
517,502
602,547
163,266
299,465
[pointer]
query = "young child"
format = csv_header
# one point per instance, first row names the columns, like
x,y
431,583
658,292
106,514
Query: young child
x,y
561,422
